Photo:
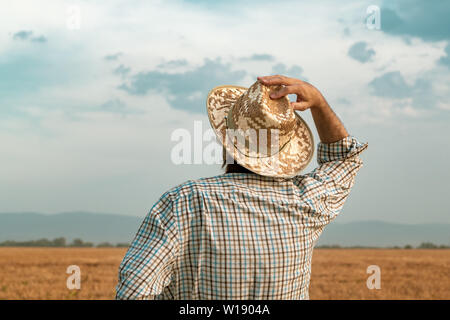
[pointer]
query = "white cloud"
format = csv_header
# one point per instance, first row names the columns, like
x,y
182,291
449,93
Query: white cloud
x,y
62,151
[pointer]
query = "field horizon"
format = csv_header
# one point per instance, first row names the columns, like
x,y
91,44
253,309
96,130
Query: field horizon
x,y
115,228
40,273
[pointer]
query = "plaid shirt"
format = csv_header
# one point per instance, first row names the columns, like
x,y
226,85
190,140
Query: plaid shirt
x,y
238,235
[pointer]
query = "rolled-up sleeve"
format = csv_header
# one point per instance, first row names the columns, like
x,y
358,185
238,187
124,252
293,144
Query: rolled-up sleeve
x,y
147,266
326,188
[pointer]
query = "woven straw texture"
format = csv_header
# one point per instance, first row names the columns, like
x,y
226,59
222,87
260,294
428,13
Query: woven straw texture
x,y
235,107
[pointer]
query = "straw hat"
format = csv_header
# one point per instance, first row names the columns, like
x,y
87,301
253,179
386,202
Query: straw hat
x,y
262,134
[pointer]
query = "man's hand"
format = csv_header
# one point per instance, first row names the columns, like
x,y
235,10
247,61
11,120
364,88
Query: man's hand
x,y
328,125
307,95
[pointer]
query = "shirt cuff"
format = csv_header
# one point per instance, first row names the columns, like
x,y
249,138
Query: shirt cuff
x,y
339,150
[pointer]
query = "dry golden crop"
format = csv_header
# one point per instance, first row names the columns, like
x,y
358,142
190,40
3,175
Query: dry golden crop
x,y
405,274
40,273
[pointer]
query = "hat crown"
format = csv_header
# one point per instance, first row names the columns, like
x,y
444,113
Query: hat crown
x,y
272,120
256,110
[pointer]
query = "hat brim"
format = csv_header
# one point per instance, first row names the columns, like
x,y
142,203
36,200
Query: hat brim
x,y
287,163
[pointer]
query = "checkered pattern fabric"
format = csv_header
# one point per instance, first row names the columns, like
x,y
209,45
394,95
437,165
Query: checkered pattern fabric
x,y
239,235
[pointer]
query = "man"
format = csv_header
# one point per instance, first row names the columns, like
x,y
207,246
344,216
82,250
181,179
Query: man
x,y
248,233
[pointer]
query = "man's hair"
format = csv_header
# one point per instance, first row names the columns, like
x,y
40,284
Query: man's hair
x,y
234,166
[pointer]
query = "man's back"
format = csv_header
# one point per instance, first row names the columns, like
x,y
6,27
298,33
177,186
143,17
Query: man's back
x,y
247,238
238,235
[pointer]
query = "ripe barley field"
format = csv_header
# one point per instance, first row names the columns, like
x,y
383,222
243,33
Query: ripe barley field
x,y
40,273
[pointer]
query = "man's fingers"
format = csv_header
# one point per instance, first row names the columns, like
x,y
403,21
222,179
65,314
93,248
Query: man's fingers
x,y
283,91
276,80
300,106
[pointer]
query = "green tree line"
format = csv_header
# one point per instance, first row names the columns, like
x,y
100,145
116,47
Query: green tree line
x,y
60,242
423,245
78,243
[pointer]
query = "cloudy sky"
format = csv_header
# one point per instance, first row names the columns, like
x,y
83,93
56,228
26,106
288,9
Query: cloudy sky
x,y
87,110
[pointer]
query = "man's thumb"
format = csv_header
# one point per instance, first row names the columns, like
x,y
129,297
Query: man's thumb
x,y
301,106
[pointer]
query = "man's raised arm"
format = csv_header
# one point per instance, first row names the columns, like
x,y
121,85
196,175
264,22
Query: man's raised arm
x,y
337,154
328,125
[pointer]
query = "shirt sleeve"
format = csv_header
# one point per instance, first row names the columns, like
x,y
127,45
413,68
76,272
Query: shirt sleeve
x,y
147,266
325,189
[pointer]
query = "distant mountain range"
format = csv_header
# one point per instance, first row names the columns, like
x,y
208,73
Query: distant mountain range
x,y
93,227
100,227
384,234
